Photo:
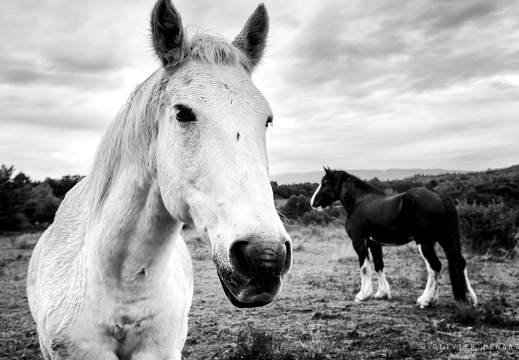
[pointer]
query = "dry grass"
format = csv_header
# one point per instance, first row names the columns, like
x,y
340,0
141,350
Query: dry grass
x,y
315,316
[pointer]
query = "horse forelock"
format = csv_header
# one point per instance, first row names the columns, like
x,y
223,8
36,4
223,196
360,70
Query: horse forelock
x,y
214,49
217,50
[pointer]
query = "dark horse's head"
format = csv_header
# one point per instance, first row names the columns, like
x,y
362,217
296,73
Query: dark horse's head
x,y
327,192
339,185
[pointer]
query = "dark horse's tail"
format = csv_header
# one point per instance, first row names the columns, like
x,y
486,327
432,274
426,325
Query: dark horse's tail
x,y
452,246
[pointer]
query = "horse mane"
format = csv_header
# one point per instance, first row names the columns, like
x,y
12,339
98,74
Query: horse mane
x,y
362,185
128,141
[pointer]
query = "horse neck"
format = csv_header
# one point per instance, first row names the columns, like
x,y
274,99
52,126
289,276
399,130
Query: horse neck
x,y
132,234
351,195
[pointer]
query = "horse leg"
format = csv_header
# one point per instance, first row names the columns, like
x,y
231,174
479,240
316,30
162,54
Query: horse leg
x,y
433,264
458,275
366,288
383,291
471,295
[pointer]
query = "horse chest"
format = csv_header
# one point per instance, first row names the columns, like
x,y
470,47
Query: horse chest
x,y
126,327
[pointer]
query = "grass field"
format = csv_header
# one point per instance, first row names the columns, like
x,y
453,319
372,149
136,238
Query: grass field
x,y
315,316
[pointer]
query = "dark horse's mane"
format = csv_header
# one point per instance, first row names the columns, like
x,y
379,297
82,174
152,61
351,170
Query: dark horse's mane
x,y
365,187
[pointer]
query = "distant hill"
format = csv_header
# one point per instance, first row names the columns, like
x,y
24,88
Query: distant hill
x,y
382,175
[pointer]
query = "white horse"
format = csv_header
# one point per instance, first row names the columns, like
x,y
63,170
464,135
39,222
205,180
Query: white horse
x,y
111,278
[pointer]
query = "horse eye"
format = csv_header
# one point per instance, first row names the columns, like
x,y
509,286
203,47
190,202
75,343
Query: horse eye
x,y
185,113
269,121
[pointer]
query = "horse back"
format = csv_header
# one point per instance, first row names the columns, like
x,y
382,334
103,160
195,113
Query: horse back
x,y
421,200
381,210
427,211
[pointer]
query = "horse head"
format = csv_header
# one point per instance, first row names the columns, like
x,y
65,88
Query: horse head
x,y
326,192
210,155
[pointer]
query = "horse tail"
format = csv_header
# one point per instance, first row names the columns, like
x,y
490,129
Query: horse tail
x,y
452,246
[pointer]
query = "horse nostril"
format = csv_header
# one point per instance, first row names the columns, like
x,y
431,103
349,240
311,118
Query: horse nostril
x,y
238,259
259,258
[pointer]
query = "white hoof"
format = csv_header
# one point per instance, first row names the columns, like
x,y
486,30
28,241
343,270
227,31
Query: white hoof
x,y
362,297
423,302
382,295
473,300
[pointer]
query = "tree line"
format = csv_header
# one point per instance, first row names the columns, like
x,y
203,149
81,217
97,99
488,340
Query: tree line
x,y
27,205
487,203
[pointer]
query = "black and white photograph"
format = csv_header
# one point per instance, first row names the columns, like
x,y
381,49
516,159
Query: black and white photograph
x,y
276,180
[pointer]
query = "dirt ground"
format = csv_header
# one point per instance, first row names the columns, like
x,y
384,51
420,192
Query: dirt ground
x,y
315,316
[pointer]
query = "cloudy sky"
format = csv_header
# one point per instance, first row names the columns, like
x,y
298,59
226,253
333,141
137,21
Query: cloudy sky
x,y
353,84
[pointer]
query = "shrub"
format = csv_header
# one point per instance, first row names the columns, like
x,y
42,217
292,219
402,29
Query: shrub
x,y
296,206
25,241
490,313
488,229
337,211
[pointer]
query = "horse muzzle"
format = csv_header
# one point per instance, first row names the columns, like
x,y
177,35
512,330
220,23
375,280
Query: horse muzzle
x,y
256,271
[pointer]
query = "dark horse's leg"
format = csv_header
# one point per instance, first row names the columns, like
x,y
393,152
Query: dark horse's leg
x,y
450,241
383,291
433,264
366,287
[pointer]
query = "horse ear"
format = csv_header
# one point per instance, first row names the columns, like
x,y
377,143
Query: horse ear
x,y
326,170
253,37
168,34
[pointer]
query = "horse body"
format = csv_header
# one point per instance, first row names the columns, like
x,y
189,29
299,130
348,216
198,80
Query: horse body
x,y
399,219
375,219
111,278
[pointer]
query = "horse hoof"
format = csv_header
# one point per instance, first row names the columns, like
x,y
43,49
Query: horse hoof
x,y
422,305
472,300
425,303
359,297
382,296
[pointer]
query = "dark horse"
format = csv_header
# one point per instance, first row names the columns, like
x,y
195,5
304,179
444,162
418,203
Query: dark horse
x,y
375,219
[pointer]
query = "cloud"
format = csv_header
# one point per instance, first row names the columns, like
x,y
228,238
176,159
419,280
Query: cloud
x,y
37,151
441,15
404,45
376,82
361,84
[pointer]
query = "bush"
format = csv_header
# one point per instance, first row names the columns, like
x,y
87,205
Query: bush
x,y
25,241
488,229
296,206
490,313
